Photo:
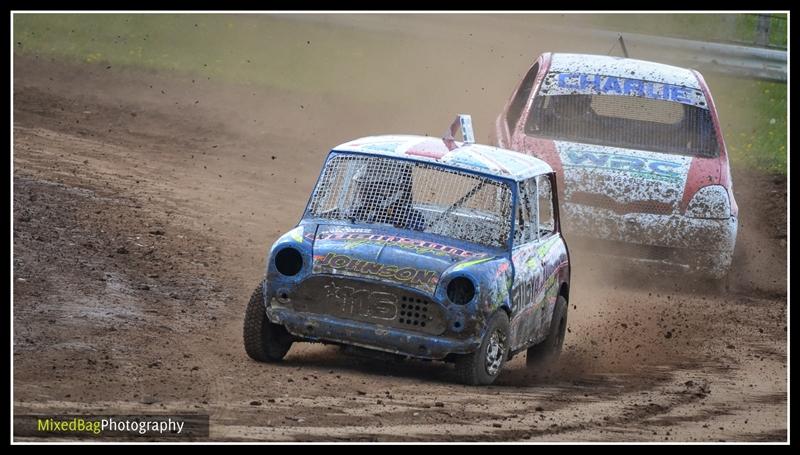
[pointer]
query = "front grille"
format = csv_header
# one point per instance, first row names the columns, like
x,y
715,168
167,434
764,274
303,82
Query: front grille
x,y
414,312
620,208
367,301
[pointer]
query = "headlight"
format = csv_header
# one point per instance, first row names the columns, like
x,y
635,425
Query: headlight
x,y
710,202
460,290
288,261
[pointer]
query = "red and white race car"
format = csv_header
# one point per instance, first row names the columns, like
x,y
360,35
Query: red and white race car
x,y
639,155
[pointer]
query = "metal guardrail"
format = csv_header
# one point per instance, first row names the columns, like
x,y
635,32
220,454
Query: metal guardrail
x,y
736,60
746,61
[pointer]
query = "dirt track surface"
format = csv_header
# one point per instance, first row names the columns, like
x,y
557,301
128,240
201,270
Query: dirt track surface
x,y
141,219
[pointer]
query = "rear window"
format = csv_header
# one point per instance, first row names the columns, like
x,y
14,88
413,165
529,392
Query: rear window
x,y
620,112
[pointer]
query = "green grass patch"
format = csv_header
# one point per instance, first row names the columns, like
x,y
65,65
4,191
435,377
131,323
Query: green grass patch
x,y
754,119
738,28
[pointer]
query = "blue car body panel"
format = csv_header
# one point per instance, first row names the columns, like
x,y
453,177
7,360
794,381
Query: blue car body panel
x,y
385,288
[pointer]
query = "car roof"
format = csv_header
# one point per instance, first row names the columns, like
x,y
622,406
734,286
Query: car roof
x,y
471,157
624,67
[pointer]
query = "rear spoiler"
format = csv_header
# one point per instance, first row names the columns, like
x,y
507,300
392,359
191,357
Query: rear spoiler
x,y
462,122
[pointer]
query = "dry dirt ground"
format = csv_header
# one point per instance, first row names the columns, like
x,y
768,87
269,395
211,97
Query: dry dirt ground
x,y
144,205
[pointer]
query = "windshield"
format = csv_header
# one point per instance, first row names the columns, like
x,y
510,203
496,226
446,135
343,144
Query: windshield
x,y
414,196
626,113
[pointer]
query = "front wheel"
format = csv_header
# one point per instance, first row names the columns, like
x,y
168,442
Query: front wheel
x,y
546,353
263,340
483,366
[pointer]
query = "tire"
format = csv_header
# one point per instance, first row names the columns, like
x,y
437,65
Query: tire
x,y
263,340
546,353
484,365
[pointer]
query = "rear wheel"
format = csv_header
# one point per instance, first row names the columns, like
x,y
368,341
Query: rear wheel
x,y
546,353
263,340
484,365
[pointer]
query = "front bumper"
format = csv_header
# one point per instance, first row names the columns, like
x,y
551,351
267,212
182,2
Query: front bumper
x,y
691,244
373,314
317,327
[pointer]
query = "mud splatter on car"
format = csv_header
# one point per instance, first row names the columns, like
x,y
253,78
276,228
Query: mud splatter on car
x,y
639,151
431,249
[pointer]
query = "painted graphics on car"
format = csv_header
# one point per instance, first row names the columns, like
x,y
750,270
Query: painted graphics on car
x,y
416,263
623,175
596,84
535,288
529,289
352,240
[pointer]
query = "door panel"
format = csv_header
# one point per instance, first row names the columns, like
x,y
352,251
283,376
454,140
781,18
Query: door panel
x,y
527,295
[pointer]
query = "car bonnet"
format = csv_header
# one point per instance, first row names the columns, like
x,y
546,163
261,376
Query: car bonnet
x,y
389,255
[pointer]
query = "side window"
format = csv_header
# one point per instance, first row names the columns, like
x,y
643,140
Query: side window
x,y
522,95
525,229
547,222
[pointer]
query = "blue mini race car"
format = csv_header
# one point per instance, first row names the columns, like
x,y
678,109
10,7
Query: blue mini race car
x,y
424,248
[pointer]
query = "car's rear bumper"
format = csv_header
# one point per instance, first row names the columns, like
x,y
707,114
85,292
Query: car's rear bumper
x,y
680,242
325,328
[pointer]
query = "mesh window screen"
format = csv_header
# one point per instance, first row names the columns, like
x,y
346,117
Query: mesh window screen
x,y
625,121
415,196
